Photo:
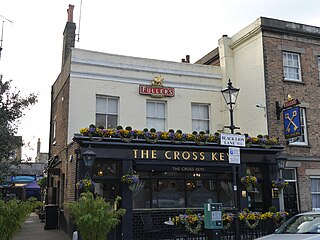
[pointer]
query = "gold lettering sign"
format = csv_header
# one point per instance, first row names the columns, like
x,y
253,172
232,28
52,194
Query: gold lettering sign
x,y
179,155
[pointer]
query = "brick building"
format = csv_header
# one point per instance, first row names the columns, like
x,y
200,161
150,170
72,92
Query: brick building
x,y
269,60
112,90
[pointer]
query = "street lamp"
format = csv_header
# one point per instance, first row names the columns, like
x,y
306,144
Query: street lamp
x,y
89,157
230,95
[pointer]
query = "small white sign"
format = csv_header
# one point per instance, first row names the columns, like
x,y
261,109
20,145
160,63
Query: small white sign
x,y
234,155
236,140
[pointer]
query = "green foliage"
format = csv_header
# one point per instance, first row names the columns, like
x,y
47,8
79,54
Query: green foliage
x,y
13,214
11,111
94,217
272,209
43,182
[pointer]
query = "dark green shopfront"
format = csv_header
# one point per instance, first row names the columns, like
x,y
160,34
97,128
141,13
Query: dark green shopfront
x,y
173,178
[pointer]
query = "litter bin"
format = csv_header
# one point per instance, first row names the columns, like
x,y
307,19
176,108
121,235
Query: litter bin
x,y
51,216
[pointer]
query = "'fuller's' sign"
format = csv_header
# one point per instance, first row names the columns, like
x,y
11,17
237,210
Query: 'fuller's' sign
x,y
156,89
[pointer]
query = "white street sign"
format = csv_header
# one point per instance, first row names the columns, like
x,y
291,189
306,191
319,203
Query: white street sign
x,y
235,140
234,155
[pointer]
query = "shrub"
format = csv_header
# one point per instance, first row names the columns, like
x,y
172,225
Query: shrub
x,y
94,217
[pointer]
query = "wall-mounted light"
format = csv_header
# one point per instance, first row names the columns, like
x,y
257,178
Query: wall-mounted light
x,y
89,157
281,161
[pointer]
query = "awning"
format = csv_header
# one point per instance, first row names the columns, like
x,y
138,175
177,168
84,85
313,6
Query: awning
x,y
33,185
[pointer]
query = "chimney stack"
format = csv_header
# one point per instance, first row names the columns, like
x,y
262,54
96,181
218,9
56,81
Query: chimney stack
x,y
70,13
69,35
38,146
186,60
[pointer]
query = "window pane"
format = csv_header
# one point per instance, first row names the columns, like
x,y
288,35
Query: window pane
x,y
159,124
196,125
112,121
195,111
288,174
205,112
150,123
201,191
151,109
160,110
101,106
100,120
315,185
113,105
316,201
168,194
141,193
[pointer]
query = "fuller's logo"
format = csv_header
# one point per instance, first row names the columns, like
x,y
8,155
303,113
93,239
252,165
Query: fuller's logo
x,y
156,89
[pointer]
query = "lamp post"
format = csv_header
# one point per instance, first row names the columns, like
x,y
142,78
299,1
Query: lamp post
x,y
230,95
89,157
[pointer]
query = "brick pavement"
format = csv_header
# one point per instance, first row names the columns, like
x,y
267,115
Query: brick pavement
x,y
33,229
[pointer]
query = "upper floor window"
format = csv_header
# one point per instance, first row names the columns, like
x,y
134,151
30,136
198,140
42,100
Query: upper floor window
x,y
156,115
315,192
200,117
53,131
303,139
107,111
291,66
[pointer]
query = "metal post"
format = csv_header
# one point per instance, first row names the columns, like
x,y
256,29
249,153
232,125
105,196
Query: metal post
x,y
228,98
235,188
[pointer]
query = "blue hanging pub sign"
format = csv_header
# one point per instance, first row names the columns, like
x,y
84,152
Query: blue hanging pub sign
x,y
291,118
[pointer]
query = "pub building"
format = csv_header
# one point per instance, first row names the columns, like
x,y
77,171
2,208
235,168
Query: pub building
x,y
111,90
173,178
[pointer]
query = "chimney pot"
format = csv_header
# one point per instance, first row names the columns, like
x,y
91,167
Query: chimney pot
x,y
188,58
183,60
70,13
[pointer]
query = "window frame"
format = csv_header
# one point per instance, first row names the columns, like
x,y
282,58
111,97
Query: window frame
x,y
200,119
162,118
107,113
314,193
318,67
287,66
304,132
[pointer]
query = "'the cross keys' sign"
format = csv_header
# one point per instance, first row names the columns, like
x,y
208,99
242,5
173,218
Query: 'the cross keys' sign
x,y
292,125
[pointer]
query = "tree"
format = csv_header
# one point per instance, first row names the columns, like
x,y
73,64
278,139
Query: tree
x,y
12,105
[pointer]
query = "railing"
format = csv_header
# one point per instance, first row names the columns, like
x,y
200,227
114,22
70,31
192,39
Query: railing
x,y
156,229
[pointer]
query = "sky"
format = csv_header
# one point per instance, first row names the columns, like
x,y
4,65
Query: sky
x,y
165,30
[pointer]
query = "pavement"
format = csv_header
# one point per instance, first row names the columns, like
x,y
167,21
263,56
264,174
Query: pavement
x,y
33,229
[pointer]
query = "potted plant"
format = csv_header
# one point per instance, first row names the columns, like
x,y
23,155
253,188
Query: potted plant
x,y
279,183
94,217
249,181
131,178
85,185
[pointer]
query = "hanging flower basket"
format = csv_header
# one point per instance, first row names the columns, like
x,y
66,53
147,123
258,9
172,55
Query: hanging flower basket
x,y
85,185
249,180
279,183
131,179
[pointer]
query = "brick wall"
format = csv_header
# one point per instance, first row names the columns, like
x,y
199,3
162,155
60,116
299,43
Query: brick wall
x,y
308,94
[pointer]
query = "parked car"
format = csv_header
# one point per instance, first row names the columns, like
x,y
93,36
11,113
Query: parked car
x,y
300,227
